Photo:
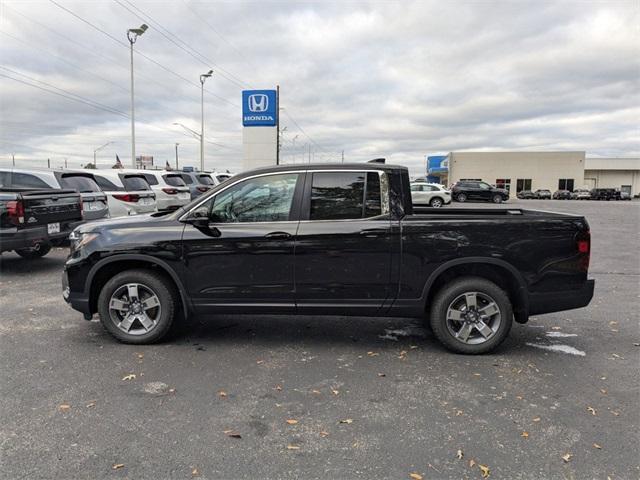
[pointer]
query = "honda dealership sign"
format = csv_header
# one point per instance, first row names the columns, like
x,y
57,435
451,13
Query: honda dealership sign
x,y
259,108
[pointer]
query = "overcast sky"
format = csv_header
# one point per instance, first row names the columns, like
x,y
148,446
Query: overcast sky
x,y
395,79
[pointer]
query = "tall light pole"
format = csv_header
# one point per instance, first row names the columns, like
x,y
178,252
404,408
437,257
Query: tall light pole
x,y
97,150
203,78
177,155
132,35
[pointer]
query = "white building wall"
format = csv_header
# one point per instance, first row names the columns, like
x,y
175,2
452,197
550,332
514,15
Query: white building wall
x,y
543,168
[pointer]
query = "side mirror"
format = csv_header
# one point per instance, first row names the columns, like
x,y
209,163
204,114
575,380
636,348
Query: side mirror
x,y
204,225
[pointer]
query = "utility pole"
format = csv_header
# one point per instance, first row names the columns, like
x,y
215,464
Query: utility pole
x,y
177,155
277,124
48,163
65,162
13,158
309,153
132,36
203,78
342,156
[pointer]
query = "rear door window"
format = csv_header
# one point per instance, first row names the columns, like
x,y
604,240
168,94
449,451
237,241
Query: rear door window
x,y
345,195
174,180
186,178
79,183
150,178
105,184
134,182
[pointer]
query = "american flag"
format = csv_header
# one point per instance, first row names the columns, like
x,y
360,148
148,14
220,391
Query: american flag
x,y
118,162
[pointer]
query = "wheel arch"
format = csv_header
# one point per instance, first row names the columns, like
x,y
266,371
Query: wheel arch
x,y
498,271
102,271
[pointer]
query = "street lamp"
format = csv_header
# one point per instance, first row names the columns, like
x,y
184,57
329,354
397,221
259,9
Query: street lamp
x,y
132,35
177,155
97,150
203,78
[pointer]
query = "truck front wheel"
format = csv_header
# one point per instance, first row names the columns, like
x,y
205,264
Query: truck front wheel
x,y
137,306
471,315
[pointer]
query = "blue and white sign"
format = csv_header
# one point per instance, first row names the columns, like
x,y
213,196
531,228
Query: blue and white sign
x,y
259,108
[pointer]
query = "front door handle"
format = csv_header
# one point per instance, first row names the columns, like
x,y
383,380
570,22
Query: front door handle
x,y
373,232
278,235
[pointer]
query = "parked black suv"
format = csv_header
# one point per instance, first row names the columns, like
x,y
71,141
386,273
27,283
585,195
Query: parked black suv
x,y
475,190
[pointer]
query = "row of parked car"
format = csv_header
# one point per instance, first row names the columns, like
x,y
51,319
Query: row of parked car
x,y
40,207
577,194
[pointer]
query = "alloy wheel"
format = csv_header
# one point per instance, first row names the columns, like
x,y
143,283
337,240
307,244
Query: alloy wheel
x,y
473,318
134,308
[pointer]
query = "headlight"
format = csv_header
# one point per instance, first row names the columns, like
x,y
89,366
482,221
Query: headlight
x,y
79,240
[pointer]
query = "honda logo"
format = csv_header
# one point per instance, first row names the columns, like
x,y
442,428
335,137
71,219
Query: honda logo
x,y
258,102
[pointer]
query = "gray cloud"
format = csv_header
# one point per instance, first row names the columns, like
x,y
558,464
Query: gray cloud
x,y
395,79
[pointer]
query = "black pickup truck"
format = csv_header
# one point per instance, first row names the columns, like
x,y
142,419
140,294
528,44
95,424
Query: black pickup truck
x,y
335,240
32,220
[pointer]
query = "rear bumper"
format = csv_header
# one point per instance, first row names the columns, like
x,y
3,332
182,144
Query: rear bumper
x,y
29,237
548,302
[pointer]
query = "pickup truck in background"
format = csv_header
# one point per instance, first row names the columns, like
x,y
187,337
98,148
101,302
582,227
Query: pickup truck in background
x,y
330,240
33,220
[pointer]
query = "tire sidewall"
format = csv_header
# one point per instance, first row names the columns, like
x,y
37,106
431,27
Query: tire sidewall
x,y
154,282
32,253
436,203
461,197
497,199
438,314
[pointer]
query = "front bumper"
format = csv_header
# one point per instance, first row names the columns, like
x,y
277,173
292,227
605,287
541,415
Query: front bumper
x,y
559,301
77,300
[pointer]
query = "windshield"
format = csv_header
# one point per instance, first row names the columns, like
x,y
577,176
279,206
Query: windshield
x,y
206,180
174,180
79,183
222,178
134,182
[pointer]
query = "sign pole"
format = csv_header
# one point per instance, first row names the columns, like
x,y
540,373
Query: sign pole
x,y
277,124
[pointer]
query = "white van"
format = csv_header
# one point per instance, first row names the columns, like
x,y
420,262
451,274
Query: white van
x,y
170,189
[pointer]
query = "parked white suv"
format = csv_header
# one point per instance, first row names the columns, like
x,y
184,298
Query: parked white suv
x,y
430,194
94,202
128,193
170,189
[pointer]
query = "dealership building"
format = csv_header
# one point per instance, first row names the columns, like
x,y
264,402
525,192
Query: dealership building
x,y
518,171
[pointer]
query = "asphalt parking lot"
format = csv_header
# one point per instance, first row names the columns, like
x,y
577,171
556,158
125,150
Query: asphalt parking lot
x,y
326,397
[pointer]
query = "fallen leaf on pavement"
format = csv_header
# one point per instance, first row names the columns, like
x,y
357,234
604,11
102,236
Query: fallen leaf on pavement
x,y
324,434
140,356
566,457
195,472
415,476
222,394
64,407
537,419
459,412
291,421
334,391
131,376
373,354
91,404
592,410
595,445
484,470
116,466
232,434
603,391
472,463
524,434
279,387
459,455
382,375
317,392
293,447
556,328
346,420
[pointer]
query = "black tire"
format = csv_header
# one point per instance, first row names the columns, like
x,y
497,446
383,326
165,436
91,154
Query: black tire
x,y
461,197
159,286
38,251
449,293
497,199
436,202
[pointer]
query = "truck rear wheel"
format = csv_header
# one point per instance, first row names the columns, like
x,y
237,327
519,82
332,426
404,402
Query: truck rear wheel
x,y
471,315
37,251
137,306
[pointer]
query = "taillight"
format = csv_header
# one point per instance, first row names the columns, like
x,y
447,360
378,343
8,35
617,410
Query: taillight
x,y
15,211
127,197
170,191
202,189
583,243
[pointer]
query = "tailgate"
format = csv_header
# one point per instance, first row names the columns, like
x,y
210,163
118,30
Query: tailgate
x,y
42,207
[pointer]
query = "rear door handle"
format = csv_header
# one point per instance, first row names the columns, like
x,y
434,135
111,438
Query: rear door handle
x,y
278,235
373,232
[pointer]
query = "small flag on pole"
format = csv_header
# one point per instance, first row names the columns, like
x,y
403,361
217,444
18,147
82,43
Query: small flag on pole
x,y
118,162
167,165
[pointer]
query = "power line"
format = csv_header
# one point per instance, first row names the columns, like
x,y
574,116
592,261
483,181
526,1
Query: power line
x,y
187,48
120,42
